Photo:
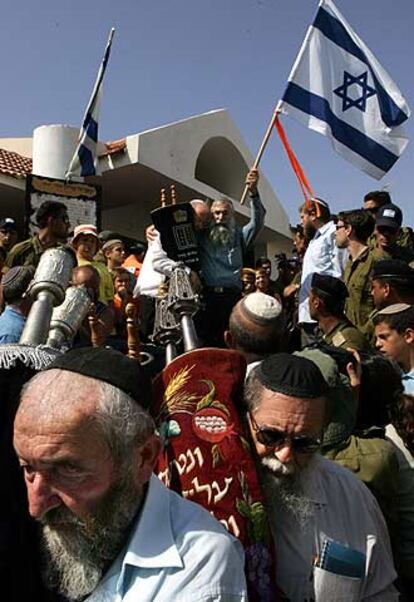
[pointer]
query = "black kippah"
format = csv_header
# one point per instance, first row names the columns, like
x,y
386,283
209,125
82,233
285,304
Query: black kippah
x,y
329,285
291,375
394,269
110,366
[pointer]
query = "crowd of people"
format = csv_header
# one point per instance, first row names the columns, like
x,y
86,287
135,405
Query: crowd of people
x,y
326,336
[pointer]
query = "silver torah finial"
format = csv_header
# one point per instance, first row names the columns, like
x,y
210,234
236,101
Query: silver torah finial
x,y
184,303
68,317
166,329
48,290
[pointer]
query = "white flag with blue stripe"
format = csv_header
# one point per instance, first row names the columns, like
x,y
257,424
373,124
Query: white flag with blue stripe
x,y
338,88
85,161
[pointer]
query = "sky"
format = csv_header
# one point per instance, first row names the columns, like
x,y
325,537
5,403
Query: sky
x,y
172,59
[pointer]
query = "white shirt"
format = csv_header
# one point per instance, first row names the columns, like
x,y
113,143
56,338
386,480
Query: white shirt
x,y
177,552
322,256
157,265
345,511
149,279
405,500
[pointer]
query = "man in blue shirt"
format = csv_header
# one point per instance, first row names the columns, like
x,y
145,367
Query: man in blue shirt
x,y
112,531
221,248
321,257
13,318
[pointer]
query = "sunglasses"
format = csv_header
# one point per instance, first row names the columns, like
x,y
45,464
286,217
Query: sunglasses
x,y
271,437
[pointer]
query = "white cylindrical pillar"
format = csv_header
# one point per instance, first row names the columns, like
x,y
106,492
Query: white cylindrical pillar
x,y
53,148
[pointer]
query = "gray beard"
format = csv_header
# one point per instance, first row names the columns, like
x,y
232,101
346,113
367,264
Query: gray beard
x,y
223,234
78,551
285,493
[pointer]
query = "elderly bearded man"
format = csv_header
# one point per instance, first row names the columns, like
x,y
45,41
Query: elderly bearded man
x,y
330,536
222,247
112,531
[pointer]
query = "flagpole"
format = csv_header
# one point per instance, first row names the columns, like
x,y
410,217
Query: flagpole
x,y
94,99
262,147
278,108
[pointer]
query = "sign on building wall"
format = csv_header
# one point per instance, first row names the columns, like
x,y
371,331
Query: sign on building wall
x,y
83,201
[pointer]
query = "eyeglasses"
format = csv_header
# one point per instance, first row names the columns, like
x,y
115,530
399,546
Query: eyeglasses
x,y
338,227
270,437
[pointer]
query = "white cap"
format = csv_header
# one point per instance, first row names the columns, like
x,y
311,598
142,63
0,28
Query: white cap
x,y
85,229
261,308
393,309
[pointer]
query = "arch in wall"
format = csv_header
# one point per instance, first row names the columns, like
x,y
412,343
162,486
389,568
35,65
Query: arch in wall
x,y
221,166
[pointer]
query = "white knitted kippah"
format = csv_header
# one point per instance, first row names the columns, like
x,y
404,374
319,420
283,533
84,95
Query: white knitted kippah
x,y
261,308
394,309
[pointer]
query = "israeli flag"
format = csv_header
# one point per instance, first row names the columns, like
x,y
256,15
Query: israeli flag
x,y
338,88
85,160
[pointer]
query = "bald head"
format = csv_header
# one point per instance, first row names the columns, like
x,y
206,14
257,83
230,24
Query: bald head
x,y
202,214
87,275
78,404
57,395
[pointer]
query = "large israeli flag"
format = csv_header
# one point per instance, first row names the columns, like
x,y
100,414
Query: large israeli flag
x,y
85,161
338,88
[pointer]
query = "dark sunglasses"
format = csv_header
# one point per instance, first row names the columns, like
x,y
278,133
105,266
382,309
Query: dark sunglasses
x,y
270,437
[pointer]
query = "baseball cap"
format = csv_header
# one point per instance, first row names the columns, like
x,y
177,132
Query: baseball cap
x,y
7,223
390,216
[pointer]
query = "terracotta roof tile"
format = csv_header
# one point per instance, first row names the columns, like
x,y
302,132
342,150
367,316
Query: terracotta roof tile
x,y
17,166
114,147
13,164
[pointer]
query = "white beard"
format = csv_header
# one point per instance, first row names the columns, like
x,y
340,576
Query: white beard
x,y
78,552
284,486
223,234
277,468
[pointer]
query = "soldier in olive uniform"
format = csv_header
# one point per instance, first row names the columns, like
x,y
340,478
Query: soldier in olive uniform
x,y
353,229
387,232
392,282
372,202
326,305
53,222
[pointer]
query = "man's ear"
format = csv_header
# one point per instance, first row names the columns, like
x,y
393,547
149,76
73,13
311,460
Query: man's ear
x,y
146,458
228,339
386,289
409,336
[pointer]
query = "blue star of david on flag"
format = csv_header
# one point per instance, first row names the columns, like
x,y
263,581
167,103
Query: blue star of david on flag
x,y
361,82
371,135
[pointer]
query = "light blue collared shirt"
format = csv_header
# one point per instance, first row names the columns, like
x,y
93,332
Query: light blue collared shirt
x,y
11,325
177,553
322,257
